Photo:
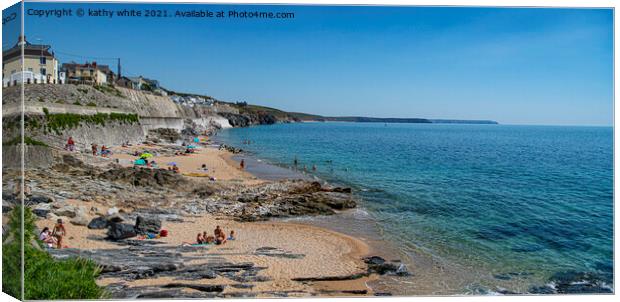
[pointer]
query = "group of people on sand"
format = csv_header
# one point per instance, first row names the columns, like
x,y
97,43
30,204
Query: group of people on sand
x,y
174,168
104,152
54,238
218,237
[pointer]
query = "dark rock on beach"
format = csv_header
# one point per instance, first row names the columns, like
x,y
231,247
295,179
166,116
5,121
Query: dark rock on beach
x,y
146,225
98,223
118,231
380,266
146,177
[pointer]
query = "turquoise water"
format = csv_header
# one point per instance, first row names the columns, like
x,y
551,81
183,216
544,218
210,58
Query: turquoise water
x,y
530,200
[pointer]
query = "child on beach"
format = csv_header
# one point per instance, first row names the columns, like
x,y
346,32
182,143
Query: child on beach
x,y
232,235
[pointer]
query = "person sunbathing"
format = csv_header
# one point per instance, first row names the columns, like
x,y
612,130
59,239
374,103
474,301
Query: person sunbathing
x,y
47,237
200,239
220,236
105,152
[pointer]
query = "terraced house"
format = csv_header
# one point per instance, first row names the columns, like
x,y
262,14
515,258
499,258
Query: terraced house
x,y
40,65
88,73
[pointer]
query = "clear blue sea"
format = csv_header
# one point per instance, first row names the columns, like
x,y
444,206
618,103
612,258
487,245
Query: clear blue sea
x,y
512,203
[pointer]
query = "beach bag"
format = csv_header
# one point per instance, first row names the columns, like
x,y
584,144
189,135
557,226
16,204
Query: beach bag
x,y
163,233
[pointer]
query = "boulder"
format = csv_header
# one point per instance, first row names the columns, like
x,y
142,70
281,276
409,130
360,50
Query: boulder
x,y
6,206
69,211
379,266
43,206
81,218
51,216
98,223
118,231
115,218
146,225
112,211
40,212
41,199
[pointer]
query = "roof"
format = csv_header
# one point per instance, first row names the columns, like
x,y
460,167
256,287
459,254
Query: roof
x,y
103,68
29,50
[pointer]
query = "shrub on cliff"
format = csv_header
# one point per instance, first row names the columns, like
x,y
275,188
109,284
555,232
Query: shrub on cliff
x,y
44,277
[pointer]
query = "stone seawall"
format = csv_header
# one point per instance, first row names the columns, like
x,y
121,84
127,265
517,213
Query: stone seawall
x,y
111,134
34,157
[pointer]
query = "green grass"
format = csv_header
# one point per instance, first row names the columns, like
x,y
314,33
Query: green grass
x,y
44,277
57,122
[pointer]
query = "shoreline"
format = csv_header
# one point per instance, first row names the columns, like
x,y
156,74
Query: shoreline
x,y
329,259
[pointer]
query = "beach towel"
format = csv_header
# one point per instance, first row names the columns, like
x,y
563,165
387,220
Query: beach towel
x,y
196,174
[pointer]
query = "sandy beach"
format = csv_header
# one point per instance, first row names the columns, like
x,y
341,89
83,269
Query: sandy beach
x,y
219,163
323,253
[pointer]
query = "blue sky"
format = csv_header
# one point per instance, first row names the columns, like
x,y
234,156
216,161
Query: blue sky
x,y
513,65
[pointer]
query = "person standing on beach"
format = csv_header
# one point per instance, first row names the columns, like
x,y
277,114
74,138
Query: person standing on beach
x,y
242,164
59,232
93,148
70,144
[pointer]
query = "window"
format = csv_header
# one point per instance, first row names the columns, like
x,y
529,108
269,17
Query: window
x,y
42,60
43,71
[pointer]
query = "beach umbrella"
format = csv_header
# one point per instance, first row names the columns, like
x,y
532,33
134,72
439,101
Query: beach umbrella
x,y
196,140
140,162
146,155
191,147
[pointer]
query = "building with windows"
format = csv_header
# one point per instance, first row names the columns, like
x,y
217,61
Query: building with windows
x,y
142,83
88,73
40,65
